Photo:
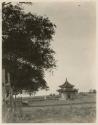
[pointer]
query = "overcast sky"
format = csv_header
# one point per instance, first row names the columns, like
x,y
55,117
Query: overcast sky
x,y
74,42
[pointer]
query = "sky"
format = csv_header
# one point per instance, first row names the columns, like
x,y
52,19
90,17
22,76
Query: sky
x,y
74,42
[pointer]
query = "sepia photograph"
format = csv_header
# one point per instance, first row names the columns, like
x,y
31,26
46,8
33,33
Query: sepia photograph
x,y
49,61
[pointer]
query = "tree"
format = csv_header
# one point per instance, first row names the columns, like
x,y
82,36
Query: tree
x,y
26,47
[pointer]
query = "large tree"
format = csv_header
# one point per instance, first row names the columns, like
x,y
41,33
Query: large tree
x,y
27,51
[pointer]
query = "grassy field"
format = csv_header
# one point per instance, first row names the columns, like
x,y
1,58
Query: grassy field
x,y
80,110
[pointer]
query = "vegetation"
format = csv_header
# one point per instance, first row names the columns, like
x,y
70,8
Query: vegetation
x,y
49,111
26,43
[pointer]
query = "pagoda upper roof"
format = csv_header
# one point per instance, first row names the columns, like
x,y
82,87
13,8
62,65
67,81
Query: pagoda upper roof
x,y
66,85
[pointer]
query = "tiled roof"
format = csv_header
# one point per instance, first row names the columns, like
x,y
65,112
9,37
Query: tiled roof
x,y
66,85
67,90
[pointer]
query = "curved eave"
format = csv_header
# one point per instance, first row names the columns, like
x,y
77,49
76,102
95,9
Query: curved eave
x,y
66,86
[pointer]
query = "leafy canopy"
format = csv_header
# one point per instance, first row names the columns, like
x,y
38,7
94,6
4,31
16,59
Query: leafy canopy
x,y
26,46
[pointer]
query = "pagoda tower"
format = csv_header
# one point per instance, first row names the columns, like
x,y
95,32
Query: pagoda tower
x,y
67,91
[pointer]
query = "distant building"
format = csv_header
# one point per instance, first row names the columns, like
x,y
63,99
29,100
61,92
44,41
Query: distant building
x,y
67,91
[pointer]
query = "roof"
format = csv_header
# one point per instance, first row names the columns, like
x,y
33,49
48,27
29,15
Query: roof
x,y
67,90
66,85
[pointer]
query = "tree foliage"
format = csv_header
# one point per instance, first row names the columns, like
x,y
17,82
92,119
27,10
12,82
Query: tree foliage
x,y
26,47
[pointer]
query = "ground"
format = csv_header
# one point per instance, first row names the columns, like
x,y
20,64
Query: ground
x,y
80,110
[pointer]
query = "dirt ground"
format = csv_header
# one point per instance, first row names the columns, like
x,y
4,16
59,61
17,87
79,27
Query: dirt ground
x,y
80,110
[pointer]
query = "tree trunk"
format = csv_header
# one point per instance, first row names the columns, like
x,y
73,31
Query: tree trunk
x,y
21,96
15,100
15,97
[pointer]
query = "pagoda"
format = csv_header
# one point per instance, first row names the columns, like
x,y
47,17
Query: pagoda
x,y
67,91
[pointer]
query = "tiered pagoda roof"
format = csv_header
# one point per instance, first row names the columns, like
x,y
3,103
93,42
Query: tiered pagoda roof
x,y
66,87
